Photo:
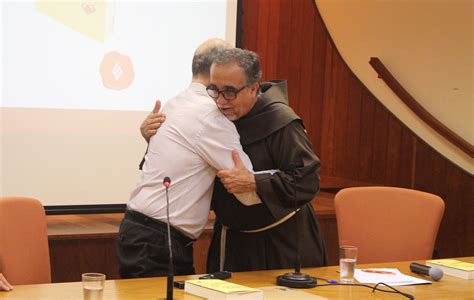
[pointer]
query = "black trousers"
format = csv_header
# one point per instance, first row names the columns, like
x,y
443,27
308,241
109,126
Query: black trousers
x,y
142,248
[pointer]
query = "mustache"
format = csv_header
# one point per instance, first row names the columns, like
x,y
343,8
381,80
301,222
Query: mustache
x,y
222,108
225,106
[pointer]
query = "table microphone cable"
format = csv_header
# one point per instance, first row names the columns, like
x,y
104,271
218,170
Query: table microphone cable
x,y
374,288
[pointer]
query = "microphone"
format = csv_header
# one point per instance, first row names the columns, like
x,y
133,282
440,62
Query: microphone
x,y
167,183
432,272
296,279
169,287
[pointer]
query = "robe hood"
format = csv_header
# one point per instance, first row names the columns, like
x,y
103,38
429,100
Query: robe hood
x,y
270,113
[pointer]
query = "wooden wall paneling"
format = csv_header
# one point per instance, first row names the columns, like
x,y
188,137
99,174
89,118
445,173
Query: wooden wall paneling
x,y
341,114
314,123
430,172
250,24
351,150
457,230
200,250
305,65
393,151
456,233
406,159
294,61
70,257
329,112
328,226
271,65
466,193
379,145
284,32
262,47
366,135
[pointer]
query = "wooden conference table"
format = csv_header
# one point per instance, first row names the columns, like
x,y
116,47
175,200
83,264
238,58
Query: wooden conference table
x,y
154,288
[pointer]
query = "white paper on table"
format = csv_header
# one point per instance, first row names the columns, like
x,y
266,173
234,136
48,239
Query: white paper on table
x,y
398,278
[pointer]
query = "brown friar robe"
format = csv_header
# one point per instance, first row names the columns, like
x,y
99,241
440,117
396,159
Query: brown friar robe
x,y
273,136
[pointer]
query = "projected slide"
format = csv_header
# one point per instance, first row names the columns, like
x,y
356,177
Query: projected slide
x,y
78,78
92,54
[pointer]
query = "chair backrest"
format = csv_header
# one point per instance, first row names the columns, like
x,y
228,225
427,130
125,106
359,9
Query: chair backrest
x,y
388,223
24,251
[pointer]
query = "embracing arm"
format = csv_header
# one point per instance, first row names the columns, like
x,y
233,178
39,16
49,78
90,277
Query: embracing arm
x,y
296,169
150,125
220,147
238,179
152,122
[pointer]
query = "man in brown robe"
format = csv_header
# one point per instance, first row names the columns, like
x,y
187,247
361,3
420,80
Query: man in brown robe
x,y
263,236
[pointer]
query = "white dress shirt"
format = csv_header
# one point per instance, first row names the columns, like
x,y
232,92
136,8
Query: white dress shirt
x,y
194,142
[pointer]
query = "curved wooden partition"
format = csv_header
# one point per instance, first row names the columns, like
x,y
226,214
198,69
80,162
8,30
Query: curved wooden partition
x,y
357,139
419,110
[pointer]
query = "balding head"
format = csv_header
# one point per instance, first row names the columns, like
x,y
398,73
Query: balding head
x,y
205,54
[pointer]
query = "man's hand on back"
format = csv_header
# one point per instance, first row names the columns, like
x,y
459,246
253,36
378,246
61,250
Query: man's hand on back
x,y
238,179
152,122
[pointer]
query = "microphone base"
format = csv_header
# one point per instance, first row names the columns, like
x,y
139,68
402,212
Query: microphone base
x,y
296,280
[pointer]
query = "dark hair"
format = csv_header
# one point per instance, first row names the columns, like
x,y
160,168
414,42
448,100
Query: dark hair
x,y
202,61
246,59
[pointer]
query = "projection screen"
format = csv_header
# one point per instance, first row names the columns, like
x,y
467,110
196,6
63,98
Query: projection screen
x,y
77,79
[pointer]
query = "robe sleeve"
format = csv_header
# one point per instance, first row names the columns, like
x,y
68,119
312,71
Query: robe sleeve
x,y
298,170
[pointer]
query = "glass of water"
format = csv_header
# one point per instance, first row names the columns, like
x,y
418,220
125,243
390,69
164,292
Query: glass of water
x,y
93,285
347,263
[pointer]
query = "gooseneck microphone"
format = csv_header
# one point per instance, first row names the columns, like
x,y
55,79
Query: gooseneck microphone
x,y
166,183
169,287
432,272
296,279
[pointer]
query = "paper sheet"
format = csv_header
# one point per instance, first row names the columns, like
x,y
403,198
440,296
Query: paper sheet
x,y
395,279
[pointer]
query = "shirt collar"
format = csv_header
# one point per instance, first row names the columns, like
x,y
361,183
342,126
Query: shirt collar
x,y
198,88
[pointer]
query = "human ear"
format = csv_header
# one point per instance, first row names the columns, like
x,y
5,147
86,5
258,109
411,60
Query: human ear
x,y
254,87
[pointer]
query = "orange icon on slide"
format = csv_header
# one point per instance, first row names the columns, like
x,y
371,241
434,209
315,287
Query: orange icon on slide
x,y
88,6
116,71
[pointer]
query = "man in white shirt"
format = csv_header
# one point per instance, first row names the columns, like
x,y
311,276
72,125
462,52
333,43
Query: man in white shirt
x,y
194,143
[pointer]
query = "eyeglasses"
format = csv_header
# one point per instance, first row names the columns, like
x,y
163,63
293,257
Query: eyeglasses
x,y
228,94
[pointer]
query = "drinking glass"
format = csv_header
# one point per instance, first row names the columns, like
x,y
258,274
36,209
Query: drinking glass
x,y
93,285
347,263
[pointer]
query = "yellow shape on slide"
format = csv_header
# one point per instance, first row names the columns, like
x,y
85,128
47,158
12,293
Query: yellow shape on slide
x,y
85,16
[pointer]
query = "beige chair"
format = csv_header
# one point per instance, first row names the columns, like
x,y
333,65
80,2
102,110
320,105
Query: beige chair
x,y
24,251
388,223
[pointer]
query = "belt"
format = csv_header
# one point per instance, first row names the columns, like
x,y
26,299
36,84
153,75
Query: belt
x,y
145,220
224,235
